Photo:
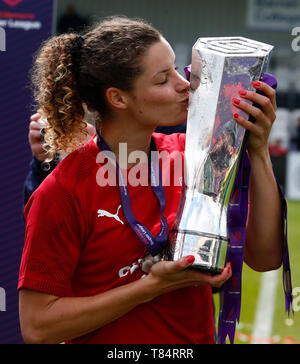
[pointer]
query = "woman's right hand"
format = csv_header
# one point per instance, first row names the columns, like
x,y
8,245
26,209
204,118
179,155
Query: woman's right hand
x,y
35,137
170,276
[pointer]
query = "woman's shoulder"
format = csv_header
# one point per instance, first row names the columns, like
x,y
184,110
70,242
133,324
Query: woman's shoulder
x,y
72,170
171,142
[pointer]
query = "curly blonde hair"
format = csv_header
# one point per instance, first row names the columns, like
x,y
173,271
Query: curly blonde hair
x,y
57,96
110,56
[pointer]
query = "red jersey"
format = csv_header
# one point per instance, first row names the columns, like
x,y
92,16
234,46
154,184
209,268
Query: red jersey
x,y
79,244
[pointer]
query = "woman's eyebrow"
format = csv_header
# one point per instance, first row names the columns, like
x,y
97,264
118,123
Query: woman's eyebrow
x,y
163,71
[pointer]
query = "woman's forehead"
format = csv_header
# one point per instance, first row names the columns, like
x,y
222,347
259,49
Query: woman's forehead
x,y
159,58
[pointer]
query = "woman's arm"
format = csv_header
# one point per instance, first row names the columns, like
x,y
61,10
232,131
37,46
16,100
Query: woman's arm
x,y
49,319
264,238
264,234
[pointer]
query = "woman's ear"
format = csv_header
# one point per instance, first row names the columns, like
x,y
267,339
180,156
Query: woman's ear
x,y
116,98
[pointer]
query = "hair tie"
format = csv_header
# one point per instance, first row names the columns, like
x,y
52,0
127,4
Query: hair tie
x,y
75,52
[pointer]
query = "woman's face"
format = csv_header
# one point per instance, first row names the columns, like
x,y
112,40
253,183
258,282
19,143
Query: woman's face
x,y
161,94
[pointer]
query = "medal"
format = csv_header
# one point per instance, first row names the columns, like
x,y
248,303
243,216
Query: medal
x,y
147,263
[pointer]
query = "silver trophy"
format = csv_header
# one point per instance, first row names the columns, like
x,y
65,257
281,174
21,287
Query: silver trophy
x,y
221,67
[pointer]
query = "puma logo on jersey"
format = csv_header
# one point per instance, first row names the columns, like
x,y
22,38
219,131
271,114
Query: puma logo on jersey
x,y
103,213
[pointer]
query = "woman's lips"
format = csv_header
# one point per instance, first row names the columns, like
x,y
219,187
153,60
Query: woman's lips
x,y
185,101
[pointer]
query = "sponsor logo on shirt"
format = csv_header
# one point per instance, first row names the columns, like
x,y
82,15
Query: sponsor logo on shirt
x,y
130,269
104,213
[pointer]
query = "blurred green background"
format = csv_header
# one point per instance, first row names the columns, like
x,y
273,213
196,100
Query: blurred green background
x,y
285,330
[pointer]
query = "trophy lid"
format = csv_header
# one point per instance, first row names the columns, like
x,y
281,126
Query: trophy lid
x,y
234,46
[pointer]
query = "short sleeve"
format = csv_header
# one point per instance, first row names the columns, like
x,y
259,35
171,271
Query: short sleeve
x,y
181,142
53,240
173,142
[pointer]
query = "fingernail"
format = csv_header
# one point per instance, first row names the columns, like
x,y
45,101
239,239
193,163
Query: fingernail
x,y
236,116
236,101
230,268
243,93
190,259
256,84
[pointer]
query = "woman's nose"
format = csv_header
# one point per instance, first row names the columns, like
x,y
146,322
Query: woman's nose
x,y
182,84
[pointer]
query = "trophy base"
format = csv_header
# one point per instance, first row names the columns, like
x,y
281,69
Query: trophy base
x,y
212,272
209,250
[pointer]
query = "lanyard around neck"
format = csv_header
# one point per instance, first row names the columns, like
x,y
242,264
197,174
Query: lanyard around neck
x,y
154,244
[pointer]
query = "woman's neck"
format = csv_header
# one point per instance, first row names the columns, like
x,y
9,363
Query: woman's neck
x,y
135,137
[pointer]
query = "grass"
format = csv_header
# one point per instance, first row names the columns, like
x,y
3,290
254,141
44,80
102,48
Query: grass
x,y
284,331
280,324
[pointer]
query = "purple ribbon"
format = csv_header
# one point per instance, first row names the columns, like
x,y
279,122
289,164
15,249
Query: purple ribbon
x,y
187,71
230,306
154,245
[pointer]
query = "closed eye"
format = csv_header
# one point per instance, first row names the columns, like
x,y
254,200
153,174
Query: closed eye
x,y
164,82
167,77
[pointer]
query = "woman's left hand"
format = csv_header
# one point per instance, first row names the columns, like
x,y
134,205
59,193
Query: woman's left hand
x,y
265,117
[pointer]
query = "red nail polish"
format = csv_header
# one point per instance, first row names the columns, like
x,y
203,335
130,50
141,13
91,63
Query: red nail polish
x,y
237,101
256,84
243,93
190,259
236,116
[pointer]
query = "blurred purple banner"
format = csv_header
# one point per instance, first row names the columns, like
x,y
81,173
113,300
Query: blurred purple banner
x,y
24,24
